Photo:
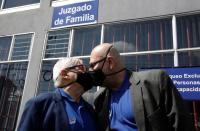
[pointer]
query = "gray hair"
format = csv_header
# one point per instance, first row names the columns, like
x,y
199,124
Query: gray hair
x,y
62,64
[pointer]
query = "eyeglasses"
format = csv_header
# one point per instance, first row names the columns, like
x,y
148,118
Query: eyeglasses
x,y
92,65
74,67
81,67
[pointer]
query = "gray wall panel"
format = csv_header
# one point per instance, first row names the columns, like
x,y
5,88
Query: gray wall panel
x,y
115,10
39,22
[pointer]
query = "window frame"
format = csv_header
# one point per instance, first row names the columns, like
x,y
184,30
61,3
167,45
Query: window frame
x,y
73,37
9,58
46,40
18,8
9,75
9,48
56,3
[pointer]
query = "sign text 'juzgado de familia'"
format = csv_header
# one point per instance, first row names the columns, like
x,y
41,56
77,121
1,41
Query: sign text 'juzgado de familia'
x,y
82,13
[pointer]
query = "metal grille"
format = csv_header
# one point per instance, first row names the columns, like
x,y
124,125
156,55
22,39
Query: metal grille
x,y
57,44
85,39
140,36
12,78
189,58
188,31
136,62
21,47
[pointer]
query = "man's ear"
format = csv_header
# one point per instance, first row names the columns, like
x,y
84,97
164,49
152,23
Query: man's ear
x,y
111,62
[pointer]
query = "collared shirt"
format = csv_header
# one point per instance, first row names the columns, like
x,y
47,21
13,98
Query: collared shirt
x,y
80,119
121,115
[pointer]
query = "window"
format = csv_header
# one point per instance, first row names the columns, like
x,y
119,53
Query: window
x,y
188,36
140,36
136,62
21,47
189,58
85,39
16,3
19,50
46,82
0,3
12,78
5,43
57,43
188,31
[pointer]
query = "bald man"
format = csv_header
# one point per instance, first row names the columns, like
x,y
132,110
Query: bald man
x,y
135,101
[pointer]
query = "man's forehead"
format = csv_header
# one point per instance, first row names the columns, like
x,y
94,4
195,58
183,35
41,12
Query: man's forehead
x,y
98,53
94,58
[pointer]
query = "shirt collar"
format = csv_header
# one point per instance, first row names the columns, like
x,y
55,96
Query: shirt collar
x,y
68,97
65,95
125,83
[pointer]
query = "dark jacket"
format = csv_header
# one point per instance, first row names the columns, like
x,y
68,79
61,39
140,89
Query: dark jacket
x,y
45,112
157,104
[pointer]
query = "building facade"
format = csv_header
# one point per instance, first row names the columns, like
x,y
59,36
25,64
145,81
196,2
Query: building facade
x,y
149,34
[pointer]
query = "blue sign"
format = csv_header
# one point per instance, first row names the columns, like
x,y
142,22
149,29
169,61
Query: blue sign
x,y
82,13
187,81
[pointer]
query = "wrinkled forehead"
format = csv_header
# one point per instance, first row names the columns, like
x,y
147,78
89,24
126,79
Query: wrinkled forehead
x,y
97,54
94,58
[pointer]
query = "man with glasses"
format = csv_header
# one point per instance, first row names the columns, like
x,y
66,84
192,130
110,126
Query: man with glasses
x,y
135,101
64,109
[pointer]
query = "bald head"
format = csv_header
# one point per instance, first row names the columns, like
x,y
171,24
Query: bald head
x,y
106,58
102,50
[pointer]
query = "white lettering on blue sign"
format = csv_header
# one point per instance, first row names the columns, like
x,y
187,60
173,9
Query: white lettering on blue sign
x,y
175,76
75,14
84,17
187,81
74,10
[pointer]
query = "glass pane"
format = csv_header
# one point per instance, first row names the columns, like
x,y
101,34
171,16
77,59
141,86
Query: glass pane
x,y
0,3
140,36
57,44
85,39
12,78
5,43
15,3
21,47
136,62
46,82
188,31
190,58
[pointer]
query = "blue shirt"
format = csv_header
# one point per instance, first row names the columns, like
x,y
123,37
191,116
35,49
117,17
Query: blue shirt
x,y
121,115
80,119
